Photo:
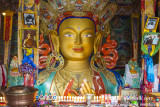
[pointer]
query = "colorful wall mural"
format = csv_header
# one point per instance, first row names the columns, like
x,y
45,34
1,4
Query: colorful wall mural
x,y
122,33
122,1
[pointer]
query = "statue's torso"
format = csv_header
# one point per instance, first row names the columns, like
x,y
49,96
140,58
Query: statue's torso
x,y
58,82
62,78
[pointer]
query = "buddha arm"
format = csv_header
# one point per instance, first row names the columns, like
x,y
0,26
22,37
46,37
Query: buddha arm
x,y
45,86
108,80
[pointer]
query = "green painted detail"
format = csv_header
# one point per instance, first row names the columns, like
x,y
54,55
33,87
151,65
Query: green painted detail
x,y
44,87
110,88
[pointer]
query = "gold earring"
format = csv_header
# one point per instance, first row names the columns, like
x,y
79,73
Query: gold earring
x,y
97,63
54,62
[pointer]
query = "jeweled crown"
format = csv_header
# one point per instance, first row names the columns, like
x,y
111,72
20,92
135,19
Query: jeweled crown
x,y
52,12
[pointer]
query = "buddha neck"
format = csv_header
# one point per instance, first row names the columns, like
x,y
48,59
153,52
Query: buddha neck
x,y
76,66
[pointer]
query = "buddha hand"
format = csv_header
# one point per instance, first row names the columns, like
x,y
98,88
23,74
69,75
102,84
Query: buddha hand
x,y
85,88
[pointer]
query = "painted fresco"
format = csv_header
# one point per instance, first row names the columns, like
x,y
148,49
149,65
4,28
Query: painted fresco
x,y
122,33
122,1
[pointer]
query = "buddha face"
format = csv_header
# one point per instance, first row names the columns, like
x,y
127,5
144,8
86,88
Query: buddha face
x,y
76,37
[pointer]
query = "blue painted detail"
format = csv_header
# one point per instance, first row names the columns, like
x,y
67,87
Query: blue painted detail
x,y
54,97
44,87
157,99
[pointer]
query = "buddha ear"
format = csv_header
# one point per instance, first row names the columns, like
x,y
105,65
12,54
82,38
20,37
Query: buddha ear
x,y
97,42
54,40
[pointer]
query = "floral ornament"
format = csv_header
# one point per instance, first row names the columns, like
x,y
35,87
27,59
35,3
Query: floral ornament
x,y
54,63
26,68
57,63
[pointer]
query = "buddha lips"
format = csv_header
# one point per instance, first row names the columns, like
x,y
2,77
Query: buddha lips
x,y
78,49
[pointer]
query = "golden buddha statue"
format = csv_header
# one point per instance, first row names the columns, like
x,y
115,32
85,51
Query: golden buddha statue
x,y
76,38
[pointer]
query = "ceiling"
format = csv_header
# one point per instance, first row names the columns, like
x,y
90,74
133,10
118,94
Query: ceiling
x,y
13,4
9,4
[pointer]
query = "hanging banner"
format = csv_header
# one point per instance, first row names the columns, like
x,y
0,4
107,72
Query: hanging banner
x,y
8,17
142,5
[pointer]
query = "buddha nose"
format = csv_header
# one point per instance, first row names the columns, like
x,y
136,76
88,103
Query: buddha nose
x,y
78,40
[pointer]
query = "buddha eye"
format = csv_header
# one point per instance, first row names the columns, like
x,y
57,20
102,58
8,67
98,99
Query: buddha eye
x,y
89,35
68,35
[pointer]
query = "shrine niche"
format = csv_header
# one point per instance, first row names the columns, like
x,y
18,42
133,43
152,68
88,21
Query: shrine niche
x,y
82,52
52,23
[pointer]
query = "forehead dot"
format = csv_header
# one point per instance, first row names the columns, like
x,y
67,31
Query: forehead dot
x,y
78,28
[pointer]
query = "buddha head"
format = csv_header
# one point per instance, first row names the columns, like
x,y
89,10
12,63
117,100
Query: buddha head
x,y
76,37
77,25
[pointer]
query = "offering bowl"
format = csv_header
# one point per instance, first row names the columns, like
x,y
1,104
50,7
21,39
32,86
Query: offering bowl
x,y
20,95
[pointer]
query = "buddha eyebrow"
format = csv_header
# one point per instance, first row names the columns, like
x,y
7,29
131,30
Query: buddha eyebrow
x,y
87,28
69,27
73,28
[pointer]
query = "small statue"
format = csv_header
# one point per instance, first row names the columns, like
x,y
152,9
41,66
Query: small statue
x,y
14,76
132,74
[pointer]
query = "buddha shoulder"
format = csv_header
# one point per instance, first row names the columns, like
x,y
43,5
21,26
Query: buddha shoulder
x,y
110,76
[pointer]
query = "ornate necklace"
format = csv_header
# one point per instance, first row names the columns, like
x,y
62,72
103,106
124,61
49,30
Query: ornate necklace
x,y
78,77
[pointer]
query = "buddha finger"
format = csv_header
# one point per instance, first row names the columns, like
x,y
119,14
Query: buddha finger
x,y
93,92
81,91
84,88
87,86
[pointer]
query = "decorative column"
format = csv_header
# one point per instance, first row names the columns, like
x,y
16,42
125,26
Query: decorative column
x,y
28,37
28,7
135,33
147,10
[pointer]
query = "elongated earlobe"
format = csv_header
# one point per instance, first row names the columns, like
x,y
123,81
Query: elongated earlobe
x,y
97,42
54,40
